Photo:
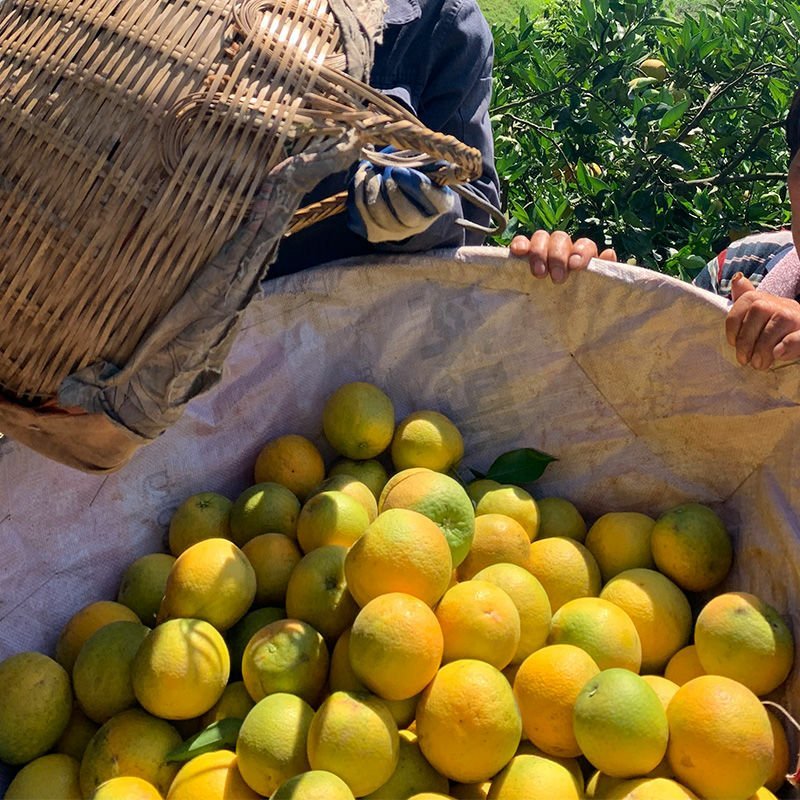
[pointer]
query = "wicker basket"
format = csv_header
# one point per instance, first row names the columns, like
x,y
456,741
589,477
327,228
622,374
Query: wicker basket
x,y
134,136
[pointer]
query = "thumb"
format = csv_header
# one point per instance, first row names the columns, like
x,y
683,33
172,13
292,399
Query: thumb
x,y
739,286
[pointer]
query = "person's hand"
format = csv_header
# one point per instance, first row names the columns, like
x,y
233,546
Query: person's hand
x,y
762,327
389,204
556,255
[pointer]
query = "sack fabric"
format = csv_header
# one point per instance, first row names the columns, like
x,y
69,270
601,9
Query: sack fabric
x,y
623,374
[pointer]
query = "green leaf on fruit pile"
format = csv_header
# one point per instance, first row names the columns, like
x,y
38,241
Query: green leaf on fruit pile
x,y
519,466
217,736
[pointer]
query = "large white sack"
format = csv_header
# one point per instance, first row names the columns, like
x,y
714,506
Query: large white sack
x,y
622,373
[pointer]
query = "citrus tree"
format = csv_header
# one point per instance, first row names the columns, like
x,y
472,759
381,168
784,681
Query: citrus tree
x,y
657,131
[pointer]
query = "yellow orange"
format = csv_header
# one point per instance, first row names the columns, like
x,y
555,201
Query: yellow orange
x,y
316,784
479,620
720,739
684,666
317,592
143,583
468,722
781,757
514,502
478,488
206,515
600,628
211,580
126,788
244,630
273,556
650,789
560,517
342,678
427,439
546,686
692,547
358,420
534,778
354,736
330,518
211,775
369,472
54,776
271,746
131,744
286,656
440,498
395,645
84,623
180,669
572,765
352,487
498,539
659,611
35,706
565,568
234,703
413,773
620,724
663,687
292,461
264,508
620,540
401,551
740,636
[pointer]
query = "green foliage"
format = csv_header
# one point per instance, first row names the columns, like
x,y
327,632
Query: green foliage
x,y
505,12
666,171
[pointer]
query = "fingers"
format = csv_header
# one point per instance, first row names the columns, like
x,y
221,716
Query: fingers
x,y
789,348
762,328
554,254
740,285
609,254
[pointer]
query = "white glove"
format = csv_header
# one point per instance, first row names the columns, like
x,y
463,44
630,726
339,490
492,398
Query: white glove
x,y
389,204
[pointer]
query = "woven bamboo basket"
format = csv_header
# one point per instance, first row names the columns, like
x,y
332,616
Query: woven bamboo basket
x,y
134,136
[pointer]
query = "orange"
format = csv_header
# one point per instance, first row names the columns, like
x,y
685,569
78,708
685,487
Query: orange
x,y
740,636
264,508
126,788
479,620
398,477
206,515
684,666
286,656
600,628
316,784
532,603
211,775
234,703
52,776
514,502
273,556
572,765
620,724
546,686
620,540
780,755
468,722
77,734
395,645
369,472
358,420
211,580
401,551
440,498
659,611
565,568
470,791
84,623
341,677
330,518
720,739
559,517
534,778
317,592
413,773
271,746
292,461
350,486
131,744
691,546
354,736
143,583
498,539
478,488
663,687
427,439
35,706
244,630
180,670
650,789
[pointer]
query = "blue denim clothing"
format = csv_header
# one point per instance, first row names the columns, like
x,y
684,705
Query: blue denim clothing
x,y
436,59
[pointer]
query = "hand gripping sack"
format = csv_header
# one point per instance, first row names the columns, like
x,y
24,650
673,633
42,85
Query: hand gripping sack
x,y
152,155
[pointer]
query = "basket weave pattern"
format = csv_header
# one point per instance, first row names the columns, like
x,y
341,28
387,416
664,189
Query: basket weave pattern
x,y
133,136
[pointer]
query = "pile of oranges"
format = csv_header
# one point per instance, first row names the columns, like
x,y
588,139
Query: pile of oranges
x,y
362,632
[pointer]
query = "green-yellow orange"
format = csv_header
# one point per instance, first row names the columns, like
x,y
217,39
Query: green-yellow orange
x,y
316,784
514,502
206,515
358,420
350,486
427,439
49,777
369,472
620,540
264,508
534,778
560,517
143,583
244,630
331,518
